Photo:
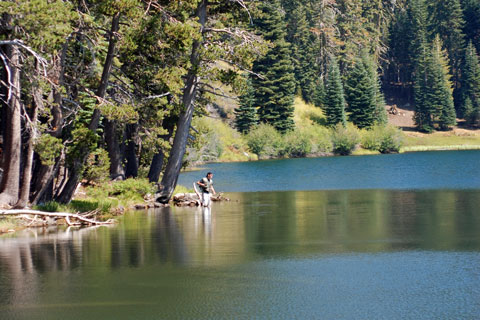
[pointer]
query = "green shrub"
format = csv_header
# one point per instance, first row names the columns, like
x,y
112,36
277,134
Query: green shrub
x,y
319,137
97,168
264,141
297,143
345,139
371,138
385,139
132,188
392,140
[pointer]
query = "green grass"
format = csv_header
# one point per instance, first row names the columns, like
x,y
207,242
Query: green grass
x,y
440,141
8,223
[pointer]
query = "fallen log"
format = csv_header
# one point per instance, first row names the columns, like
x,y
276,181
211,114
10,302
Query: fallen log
x,y
67,216
193,199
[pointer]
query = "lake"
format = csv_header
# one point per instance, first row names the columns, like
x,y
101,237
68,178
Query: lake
x,y
370,237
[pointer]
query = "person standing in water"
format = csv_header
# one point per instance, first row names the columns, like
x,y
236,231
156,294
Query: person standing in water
x,y
206,185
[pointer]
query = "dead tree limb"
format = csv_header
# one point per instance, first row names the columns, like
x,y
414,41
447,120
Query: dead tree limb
x,y
64,215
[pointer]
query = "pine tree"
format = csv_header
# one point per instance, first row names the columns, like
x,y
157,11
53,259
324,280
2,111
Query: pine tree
x,y
301,39
442,88
471,11
380,114
471,84
319,95
335,100
433,89
360,96
246,114
275,89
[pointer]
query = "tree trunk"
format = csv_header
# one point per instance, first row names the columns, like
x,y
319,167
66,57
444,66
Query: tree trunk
x,y
158,158
113,148
67,193
27,168
42,173
131,168
169,180
10,184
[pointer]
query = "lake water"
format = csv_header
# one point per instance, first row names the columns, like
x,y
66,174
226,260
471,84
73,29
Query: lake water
x,y
352,238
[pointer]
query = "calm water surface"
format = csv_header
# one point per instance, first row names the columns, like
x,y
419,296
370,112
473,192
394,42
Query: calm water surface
x,y
411,252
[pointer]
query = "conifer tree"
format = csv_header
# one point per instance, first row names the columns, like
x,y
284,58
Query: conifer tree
x,y
380,114
319,95
335,100
471,84
275,89
360,96
471,11
442,87
246,114
433,89
301,39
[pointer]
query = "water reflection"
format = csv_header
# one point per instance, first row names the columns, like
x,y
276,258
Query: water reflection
x,y
175,243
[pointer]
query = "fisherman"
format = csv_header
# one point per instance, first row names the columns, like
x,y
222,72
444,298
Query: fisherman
x,y
206,185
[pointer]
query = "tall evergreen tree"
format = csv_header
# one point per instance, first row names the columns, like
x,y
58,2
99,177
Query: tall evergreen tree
x,y
380,114
442,88
471,84
360,95
319,96
335,100
301,39
446,20
275,89
246,114
471,11
433,89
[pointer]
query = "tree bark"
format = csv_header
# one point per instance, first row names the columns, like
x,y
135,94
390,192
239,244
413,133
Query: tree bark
x,y
10,184
67,193
158,158
27,168
42,173
131,168
174,164
114,152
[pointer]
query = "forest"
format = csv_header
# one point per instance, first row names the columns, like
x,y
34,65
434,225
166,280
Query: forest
x,y
110,87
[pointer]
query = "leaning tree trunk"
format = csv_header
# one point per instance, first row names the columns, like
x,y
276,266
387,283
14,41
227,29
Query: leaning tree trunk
x,y
174,164
43,174
10,184
27,168
67,193
158,158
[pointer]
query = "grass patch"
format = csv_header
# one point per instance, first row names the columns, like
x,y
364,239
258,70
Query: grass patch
x,y
8,223
183,189
451,140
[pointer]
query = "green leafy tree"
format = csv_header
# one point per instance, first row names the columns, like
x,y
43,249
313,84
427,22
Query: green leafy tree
x,y
246,113
335,100
275,87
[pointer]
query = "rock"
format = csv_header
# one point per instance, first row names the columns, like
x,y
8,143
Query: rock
x,y
140,206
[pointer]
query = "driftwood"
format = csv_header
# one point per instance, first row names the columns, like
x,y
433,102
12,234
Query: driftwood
x,y
72,219
193,199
